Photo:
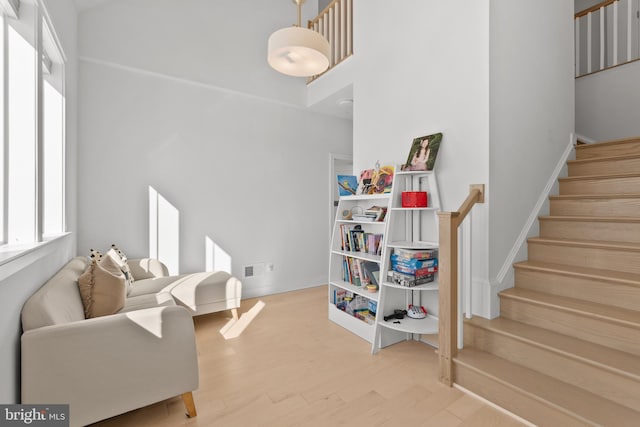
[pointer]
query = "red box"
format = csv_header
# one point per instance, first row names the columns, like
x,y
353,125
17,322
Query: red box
x,y
414,199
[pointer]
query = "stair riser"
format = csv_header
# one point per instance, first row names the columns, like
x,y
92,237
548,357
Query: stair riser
x,y
585,327
609,385
512,399
591,230
624,185
608,259
605,167
596,207
631,147
587,289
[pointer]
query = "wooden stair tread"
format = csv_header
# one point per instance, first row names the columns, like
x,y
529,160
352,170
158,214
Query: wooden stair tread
x,y
608,313
617,361
622,277
595,196
591,177
603,159
560,395
597,244
608,143
626,219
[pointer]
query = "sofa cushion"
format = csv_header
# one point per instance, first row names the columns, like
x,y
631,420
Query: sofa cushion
x,y
103,288
157,284
58,300
161,299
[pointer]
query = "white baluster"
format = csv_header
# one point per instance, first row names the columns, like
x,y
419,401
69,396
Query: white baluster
x,y
577,38
630,16
589,43
602,46
615,34
343,29
349,27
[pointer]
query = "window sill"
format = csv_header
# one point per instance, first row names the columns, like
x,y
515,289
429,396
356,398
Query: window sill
x,y
15,257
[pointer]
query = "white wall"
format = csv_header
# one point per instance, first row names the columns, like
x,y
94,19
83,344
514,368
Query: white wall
x,y
240,161
423,67
607,103
21,277
221,43
502,98
532,114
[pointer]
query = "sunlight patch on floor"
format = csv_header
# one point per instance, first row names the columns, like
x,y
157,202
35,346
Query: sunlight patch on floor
x,y
234,328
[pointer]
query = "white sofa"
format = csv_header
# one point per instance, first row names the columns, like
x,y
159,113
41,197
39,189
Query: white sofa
x,y
109,365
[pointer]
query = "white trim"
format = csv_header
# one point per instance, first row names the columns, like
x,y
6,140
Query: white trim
x,y
332,182
183,80
11,8
585,139
522,237
14,258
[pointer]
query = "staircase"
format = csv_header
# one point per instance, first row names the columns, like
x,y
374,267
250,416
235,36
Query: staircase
x,y
566,349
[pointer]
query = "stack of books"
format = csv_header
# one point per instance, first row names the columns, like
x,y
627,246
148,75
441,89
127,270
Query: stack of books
x,y
412,267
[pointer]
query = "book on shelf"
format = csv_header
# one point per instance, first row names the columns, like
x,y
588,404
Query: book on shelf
x,y
372,271
355,239
359,272
377,212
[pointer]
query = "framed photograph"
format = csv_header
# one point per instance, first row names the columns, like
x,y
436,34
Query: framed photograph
x,y
364,183
382,179
423,153
376,181
347,185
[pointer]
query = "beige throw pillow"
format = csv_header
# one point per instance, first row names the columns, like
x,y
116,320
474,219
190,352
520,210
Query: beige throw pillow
x,y
103,288
119,258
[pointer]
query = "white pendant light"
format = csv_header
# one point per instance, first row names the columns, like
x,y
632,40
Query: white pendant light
x,y
297,51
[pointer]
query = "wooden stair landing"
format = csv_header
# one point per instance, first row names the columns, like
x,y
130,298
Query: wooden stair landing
x,y
565,350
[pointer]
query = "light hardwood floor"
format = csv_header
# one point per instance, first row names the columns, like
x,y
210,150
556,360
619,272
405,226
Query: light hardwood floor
x,y
293,367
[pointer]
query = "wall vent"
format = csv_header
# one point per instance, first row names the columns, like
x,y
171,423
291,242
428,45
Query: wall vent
x,y
248,270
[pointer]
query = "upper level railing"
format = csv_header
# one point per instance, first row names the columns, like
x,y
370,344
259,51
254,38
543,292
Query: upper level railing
x,y
448,319
606,35
335,23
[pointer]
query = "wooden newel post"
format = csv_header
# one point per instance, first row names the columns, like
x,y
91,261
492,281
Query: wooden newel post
x,y
448,294
448,287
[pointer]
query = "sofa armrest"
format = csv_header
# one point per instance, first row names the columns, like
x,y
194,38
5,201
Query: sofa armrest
x,y
147,268
109,365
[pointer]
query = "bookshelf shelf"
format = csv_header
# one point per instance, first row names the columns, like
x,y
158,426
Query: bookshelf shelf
x,y
359,290
431,286
359,255
428,325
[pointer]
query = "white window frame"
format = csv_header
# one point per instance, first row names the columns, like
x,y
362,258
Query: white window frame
x,y
8,251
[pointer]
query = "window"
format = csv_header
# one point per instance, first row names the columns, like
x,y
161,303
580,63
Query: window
x,y
53,135
32,130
